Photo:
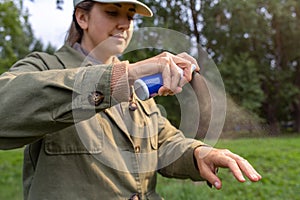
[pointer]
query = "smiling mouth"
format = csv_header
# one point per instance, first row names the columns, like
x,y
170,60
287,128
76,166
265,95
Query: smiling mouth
x,y
120,36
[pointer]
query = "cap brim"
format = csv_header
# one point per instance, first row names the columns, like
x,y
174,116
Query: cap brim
x,y
141,8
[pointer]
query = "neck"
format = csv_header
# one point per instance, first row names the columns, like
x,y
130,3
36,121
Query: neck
x,y
96,54
104,59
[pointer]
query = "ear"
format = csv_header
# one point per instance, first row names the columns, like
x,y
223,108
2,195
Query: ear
x,y
82,18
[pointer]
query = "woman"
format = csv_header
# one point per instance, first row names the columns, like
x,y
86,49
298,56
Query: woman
x,y
86,133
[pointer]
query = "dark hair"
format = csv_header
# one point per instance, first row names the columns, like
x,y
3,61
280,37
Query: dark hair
x,y
75,32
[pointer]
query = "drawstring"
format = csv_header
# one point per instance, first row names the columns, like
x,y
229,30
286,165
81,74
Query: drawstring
x,y
133,100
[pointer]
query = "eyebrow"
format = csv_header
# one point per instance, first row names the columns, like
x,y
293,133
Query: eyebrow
x,y
130,9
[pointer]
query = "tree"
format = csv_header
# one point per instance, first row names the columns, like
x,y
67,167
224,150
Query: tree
x,y
16,36
286,61
265,32
228,32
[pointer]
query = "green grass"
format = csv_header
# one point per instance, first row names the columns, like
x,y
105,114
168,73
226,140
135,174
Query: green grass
x,y
11,174
277,159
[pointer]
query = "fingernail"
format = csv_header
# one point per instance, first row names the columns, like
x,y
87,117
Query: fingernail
x,y
255,177
217,185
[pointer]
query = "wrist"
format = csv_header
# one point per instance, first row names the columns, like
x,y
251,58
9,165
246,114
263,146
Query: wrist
x,y
119,82
202,151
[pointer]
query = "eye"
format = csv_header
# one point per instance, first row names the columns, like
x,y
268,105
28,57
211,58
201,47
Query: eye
x,y
112,13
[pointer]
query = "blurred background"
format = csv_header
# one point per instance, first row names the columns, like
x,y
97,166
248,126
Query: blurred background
x,y
255,45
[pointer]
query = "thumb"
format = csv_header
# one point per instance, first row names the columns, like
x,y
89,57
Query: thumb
x,y
211,177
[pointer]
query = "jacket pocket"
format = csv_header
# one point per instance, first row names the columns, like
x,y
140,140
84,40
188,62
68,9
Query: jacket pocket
x,y
85,137
150,116
152,130
153,135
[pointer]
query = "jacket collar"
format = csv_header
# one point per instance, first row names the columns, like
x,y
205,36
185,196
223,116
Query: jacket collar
x,y
71,58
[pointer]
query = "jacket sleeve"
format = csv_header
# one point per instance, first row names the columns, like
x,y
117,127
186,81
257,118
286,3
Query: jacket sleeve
x,y
35,102
176,153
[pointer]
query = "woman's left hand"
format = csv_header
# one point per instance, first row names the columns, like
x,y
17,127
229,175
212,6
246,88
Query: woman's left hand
x,y
209,159
170,66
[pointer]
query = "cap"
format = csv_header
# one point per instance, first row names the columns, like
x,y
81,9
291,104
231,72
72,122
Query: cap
x,y
141,89
141,8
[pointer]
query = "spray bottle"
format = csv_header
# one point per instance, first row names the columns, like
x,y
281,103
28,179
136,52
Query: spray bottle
x,y
148,86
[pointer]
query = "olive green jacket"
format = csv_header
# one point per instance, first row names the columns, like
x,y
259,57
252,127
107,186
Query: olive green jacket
x,y
81,143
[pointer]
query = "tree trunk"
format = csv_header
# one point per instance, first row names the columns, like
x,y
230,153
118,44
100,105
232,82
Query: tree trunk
x,y
297,116
273,123
296,104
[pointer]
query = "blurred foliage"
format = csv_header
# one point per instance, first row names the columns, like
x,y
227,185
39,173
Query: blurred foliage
x,y
259,38
16,35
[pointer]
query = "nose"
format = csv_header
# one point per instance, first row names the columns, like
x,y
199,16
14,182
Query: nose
x,y
124,23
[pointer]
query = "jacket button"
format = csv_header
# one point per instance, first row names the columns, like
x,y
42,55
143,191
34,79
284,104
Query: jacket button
x,y
132,106
137,149
95,98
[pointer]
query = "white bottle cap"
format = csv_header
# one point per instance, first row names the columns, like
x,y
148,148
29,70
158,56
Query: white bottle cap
x,y
141,90
193,67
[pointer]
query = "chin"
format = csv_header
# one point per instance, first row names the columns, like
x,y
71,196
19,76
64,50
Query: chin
x,y
117,50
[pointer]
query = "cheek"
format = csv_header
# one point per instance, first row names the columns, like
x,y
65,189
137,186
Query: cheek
x,y
100,29
97,37
129,33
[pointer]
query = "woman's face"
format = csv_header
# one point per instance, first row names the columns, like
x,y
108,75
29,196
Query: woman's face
x,y
107,29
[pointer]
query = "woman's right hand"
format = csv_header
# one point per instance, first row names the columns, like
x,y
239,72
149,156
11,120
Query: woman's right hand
x,y
167,64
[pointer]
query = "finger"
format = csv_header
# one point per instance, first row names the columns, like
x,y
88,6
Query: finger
x,y
163,91
235,169
225,160
189,58
188,72
247,168
182,82
206,165
180,60
249,171
188,68
184,64
210,175
175,77
166,75
187,65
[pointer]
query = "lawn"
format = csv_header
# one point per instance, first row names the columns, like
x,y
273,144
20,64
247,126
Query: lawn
x,y
11,174
277,159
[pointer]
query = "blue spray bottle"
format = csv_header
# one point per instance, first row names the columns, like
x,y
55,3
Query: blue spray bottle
x,y
148,86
